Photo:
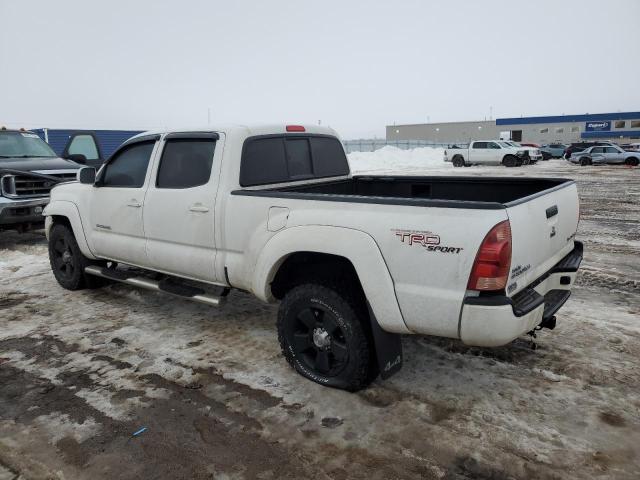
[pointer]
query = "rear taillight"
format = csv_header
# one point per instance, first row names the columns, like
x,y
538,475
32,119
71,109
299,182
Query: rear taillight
x,y
491,268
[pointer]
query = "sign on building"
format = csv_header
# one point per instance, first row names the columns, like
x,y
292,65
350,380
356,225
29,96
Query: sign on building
x,y
601,126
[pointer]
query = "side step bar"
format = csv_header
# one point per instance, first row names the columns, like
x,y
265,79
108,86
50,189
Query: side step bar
x,y
166,286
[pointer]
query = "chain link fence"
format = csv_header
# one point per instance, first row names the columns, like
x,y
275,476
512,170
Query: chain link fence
x,y
371,145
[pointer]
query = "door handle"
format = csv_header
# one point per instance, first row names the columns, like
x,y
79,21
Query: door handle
x,y
134,203
198,207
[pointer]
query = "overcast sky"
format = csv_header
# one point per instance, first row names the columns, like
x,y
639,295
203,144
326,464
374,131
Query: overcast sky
x,y
354,65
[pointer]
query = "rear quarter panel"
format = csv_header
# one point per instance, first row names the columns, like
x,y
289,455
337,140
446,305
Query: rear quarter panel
x,y
428,251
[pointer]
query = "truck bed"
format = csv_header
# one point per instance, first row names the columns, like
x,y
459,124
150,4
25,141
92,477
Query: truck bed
x,y
454,192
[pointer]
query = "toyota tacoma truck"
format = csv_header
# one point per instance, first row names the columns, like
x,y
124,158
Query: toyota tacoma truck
x,y
354,260
28,171
487,152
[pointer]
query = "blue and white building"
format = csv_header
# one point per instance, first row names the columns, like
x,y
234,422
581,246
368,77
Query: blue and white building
x,y
621,127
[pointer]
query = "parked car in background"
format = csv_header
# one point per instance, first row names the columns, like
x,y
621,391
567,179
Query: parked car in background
x,y
29,168
631,147
580,146
533,150
553,150
95,145
486,152
605,154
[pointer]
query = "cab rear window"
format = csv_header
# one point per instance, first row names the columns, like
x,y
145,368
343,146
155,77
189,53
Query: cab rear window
x,y
285,158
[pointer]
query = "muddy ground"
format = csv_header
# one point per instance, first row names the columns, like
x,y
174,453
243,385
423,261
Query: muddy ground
x,y
80,372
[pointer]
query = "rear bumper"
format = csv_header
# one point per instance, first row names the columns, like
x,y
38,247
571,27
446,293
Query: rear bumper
x,y
491,321
20,212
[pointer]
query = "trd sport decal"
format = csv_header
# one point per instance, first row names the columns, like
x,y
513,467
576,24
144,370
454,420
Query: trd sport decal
x,y
428,240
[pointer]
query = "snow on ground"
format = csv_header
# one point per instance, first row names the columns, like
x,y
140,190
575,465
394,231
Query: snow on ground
x,y
391,158
81,371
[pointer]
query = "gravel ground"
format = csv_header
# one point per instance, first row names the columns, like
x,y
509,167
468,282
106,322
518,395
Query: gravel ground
x,y
80,372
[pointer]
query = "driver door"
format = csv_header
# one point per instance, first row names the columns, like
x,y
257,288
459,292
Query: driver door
x,y
116,230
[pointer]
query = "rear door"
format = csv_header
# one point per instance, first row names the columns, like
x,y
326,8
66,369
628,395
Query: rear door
x,y
543,228
117,201
179,206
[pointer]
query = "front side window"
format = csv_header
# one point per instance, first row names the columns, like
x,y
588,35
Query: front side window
x,y
84,144
128,167
494,145
23,144
185,163
596,150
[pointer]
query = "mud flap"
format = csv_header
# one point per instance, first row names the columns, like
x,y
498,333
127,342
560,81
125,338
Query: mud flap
x,y
388,348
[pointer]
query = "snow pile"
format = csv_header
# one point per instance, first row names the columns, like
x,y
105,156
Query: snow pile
x,y
390,158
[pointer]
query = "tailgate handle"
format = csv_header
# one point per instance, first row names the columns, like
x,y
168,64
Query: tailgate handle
x,y
552,211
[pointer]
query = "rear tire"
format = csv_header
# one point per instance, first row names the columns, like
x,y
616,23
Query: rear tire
x,y
633,161
323,337
67,261
458,161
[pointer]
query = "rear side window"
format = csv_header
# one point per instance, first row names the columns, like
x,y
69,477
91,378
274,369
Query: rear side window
x,y
185,163
480,145
128,167
286,158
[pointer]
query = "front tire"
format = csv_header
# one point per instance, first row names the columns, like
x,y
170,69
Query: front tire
x,y
67,261
509,161
584,161
322,336
632,161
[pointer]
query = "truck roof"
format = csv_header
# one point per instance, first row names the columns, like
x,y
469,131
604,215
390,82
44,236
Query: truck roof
x,y
248,130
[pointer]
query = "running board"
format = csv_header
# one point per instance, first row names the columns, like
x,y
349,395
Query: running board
x,y
168,286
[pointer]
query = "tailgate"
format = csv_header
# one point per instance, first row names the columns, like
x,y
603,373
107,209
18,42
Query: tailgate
x,y
543,228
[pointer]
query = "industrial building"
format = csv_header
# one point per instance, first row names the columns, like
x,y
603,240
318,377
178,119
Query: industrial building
x,y
620,127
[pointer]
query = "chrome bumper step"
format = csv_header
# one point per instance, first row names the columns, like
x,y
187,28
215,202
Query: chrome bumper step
x,y
168,286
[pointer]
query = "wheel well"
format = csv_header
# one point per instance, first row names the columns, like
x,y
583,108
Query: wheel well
x,y
300,267
61,220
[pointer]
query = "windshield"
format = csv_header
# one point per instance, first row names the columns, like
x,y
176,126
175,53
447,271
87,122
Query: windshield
x,y
23,144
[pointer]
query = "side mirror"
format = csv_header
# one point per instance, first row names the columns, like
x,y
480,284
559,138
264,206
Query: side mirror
x,y
87,175
77,157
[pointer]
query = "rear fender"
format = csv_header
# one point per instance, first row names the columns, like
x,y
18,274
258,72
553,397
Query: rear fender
x,y
354,245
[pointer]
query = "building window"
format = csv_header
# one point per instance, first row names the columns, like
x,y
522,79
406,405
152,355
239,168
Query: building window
x,y
575,129
620,124
544,130
635,123
560,130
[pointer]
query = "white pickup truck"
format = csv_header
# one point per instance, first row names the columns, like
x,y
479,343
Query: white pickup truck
x,y
354,260
487,152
